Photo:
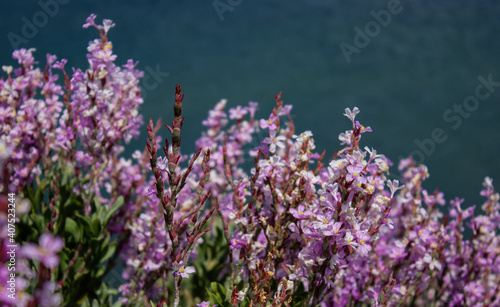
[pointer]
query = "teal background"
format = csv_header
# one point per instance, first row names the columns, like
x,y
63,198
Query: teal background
x,y
426,60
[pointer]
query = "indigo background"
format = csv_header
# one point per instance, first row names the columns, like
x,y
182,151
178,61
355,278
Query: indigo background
x,y
426,59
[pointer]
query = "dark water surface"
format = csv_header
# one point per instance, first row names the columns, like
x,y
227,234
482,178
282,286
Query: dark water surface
x,y
406,80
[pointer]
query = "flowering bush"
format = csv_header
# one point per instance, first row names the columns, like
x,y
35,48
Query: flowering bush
x,y
206,229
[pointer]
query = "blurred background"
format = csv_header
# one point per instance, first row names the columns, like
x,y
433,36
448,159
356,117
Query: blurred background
x,y
408,66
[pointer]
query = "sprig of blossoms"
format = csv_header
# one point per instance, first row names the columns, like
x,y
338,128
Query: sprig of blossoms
x,y
60,144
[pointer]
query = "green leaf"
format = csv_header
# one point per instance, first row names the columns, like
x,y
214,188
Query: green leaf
x,y
96,227
217,295
116,206
96,205
39,222
110,250
67,175
85,223
38,197
70,226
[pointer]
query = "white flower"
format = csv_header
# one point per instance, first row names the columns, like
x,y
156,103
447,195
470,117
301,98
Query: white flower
x,y
433,263
349,239
183,271
351,114
394,186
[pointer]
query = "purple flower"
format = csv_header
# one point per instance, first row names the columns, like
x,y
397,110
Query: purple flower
x,y
205,304
107,24
274,141
238,243
323,222
351,114
286,109
349,240
474,289
46,252
388,221
252,107
301,212
362,129
334,230
46,296
355,173
269,124
394,186
364,247
237,113
433,263
183,271
90,21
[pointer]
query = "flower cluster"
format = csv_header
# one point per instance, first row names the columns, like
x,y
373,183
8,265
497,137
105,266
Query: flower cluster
x,y
208,229
60,144
341,233
294,223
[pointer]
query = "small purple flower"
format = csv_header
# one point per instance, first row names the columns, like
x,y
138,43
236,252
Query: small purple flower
x,y
286,109
355,173
398,252
433,263
388,221
363,238
252,107
362,128
183,271
301,212
269,124
205,304
474,289
60,64
351,114
394,186
90,21
46,252
274,141
334,230
238,243
349,240
47,295
323,222
107,24
237,113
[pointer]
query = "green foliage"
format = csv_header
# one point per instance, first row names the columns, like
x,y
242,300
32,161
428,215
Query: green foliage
x,y
217,295
88,245
212,260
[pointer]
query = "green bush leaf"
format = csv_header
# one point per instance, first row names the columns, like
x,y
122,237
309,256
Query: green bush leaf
x,y
96,227
217,294
70,226
116,206
110,250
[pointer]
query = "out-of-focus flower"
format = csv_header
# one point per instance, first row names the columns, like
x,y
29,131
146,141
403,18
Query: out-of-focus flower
x,y
46,251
